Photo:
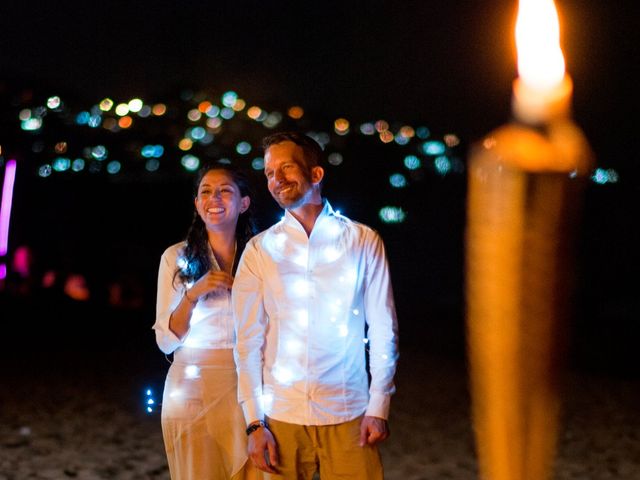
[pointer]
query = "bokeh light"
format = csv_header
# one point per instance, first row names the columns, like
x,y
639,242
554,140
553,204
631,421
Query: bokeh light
x,y
122,109
257,163
335,158
442,165
391,214
397,180
243,148
106,104
341,126
113,167
412,162
433,147
159,109
135,105
190,162
295,112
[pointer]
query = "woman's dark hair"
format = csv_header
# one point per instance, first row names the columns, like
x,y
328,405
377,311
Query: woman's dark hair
x,y
196,256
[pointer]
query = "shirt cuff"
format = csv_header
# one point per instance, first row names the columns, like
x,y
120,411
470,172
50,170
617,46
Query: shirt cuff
x,y
168,341
252,410
379,405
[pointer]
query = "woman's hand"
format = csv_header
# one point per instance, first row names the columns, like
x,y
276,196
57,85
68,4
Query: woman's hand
x,y
212,282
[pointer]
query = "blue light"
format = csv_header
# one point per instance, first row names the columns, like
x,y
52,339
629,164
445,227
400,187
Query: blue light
x,y
113,167
368,129
392,214
61,164
213,111
190,162
94,121
31,124
152,165
77,165
145,111
602,176
150,401
229,98
99,152
433,147
227,113
197,133
243,148
257,163
412,162
207,139
44,171
83,118
442,165
397,180
423,132
401,139
148,151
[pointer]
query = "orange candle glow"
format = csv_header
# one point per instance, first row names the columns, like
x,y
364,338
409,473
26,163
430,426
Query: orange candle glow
x,y
524,188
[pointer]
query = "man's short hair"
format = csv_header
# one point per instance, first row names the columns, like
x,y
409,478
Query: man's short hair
x,y
313,154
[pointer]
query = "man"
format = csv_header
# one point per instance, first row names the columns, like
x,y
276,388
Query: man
x,y
311,295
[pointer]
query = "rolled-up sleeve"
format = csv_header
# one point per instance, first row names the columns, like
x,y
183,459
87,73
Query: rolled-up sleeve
x,y
250,324
169,296
383,327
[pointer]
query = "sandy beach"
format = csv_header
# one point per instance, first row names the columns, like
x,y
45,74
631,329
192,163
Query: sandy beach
x,y
79,413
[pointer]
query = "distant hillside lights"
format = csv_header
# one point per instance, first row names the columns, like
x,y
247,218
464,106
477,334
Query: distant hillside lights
x,y
201,128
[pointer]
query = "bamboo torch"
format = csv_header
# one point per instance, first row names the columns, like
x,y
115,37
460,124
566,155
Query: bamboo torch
x,y
524,194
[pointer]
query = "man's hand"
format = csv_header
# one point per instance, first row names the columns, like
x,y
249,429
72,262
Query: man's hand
x,y
263,450
373,430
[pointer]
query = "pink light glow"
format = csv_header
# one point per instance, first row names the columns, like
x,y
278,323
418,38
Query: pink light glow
x,y
5,206
3,271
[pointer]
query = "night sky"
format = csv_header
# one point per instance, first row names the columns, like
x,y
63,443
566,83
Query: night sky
x,y
447,64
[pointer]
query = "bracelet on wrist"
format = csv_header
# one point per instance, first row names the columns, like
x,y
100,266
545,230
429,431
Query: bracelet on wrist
x,y
186,296
255,426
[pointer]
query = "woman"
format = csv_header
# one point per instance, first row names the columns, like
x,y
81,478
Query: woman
x,y
202,423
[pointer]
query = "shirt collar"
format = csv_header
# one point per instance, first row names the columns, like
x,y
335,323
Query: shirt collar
x,y
327,211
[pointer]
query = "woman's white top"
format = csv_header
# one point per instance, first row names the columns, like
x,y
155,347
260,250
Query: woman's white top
x,y
211,324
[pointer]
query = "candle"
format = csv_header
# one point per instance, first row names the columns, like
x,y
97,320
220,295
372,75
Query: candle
x,y
524,188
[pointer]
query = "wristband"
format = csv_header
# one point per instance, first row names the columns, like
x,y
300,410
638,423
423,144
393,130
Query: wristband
x,y
255,426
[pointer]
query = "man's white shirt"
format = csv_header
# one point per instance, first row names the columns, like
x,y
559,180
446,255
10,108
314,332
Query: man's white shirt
x,y
306,308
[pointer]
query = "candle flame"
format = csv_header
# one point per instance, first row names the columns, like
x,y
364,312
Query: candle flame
x,y
540,59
